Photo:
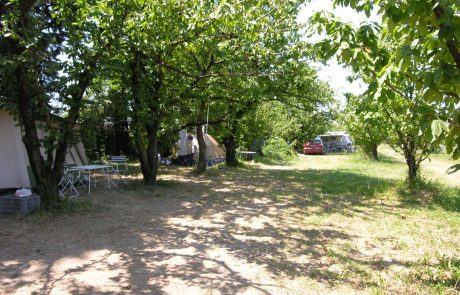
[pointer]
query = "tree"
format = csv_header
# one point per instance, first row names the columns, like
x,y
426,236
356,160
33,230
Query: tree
x,y
299,110
152,41
49,53
425,33
394,88
104,122
365,124
227,64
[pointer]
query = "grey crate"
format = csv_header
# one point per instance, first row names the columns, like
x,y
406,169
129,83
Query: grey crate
x,y
24,205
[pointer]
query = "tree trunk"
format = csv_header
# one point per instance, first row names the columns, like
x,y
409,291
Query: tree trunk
x,y
201,167
30,93
413,169
146,125
142,155
136,66
412,165
230,150
230,140
148,156
46,183
372,152
152,153
120,137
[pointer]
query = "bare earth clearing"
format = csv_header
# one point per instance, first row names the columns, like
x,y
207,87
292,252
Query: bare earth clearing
x,y
312,227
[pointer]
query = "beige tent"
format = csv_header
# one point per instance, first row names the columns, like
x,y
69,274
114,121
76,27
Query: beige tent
x,y
214,151
188,145
14,163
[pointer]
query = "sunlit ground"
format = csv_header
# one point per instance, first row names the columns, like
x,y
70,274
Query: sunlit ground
x,y
323,224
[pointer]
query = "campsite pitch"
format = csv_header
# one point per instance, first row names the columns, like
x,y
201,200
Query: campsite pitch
x,y
330,224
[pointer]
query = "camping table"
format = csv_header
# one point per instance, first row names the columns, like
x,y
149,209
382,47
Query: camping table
x,y
247,154
93,168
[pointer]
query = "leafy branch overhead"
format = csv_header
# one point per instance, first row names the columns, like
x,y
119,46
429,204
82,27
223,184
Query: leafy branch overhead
x,y
416,44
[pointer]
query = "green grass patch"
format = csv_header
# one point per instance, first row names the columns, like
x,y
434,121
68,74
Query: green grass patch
x,y
443,276
431,193
64,207
268,160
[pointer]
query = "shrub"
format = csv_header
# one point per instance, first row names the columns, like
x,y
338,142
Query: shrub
x,y
277,149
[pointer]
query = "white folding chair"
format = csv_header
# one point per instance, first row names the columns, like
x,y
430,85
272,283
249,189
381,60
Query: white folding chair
x,y
67,187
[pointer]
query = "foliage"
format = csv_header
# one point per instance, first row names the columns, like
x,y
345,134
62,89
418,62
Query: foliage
x,y
277,149
424,38
366,128
395,92
175,61
104,125
294,119
49,53
138,71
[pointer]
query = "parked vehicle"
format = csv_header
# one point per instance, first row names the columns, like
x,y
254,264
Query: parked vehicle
x,y
314,146
337,142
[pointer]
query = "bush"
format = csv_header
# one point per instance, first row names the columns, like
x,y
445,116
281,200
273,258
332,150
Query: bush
x,y
277,149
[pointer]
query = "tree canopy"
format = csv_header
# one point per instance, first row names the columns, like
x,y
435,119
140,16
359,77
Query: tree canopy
x,y
410,61
132,72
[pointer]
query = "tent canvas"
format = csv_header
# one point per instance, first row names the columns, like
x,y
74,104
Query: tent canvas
x,y
14,163
213,149
188,146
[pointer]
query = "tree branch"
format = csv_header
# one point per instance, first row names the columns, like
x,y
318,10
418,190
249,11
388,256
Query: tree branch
x,y
439,13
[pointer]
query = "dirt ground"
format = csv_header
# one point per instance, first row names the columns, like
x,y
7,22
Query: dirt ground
x,y
231,232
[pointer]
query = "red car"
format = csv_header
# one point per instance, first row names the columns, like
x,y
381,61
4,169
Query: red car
x,y
314,146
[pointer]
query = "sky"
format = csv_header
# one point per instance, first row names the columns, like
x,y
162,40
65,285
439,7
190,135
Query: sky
x,y
333,73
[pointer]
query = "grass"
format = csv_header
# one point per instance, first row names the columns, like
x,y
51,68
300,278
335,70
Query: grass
x,y
64,208
320,224
391,233
442,276
267,160
403,222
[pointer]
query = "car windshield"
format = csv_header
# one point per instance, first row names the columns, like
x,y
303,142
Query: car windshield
x,y
314,141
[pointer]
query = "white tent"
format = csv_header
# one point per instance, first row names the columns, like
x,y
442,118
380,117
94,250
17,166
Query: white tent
x,y
188,145
15,169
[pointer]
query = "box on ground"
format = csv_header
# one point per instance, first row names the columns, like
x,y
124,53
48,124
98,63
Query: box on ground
x,y
24,205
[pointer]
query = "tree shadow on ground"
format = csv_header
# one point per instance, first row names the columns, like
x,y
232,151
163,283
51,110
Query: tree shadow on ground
x,y
225,233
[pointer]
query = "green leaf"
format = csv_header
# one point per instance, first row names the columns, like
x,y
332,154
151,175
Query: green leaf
x,y
453,169
437,126
406,51
432,95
